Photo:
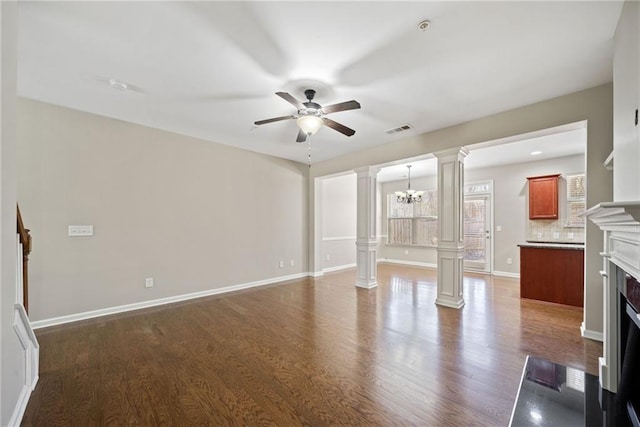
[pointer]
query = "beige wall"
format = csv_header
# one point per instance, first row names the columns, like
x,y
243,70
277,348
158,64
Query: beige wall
x,y
192,214
594,105
339,221
626,74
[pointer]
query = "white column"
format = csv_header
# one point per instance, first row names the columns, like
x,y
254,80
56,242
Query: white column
x,y
366,237
451,236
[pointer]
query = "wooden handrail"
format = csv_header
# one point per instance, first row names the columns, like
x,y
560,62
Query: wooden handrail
x,y
25,239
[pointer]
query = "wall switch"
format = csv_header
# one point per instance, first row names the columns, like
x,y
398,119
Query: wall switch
x,y
556,235
498,228
570,236
80,230
509,261
291,263
406,251
281,264
148,282
539,235
328,257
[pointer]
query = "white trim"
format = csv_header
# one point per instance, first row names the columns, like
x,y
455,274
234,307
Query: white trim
x,y
338,268
506,274
592,335
330,239
513,411
161,301
31,353
411,263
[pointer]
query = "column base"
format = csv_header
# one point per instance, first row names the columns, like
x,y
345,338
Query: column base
x,y
367,285
450,303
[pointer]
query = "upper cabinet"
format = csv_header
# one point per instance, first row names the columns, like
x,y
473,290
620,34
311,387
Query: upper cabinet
x,y
543,197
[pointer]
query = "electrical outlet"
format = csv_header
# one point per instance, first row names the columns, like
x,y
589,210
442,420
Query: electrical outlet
x,y
498,228
281,264
148,282
509,261
556,235
406,251
539,235
570,236
291,263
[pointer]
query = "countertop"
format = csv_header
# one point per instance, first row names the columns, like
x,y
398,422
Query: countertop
x,y
555,245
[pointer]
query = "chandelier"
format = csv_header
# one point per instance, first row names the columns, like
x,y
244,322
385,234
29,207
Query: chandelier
x,y
409,196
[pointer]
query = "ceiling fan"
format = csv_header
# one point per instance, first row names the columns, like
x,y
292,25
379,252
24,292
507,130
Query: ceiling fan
x,y
311,115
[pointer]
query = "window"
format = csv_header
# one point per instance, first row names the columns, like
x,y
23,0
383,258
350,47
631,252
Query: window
x,y
576,202
413,224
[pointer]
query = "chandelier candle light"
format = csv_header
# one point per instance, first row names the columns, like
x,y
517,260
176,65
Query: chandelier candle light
x,y
409,196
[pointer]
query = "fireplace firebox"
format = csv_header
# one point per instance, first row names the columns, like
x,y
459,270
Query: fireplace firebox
x,y
628,395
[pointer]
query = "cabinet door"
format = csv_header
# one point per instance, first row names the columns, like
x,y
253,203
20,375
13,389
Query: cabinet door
x,y
543,197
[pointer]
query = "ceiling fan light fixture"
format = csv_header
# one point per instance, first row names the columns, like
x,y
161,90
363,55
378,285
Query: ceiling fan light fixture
x,y
309,124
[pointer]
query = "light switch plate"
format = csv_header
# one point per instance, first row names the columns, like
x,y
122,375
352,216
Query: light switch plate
x,y
80,230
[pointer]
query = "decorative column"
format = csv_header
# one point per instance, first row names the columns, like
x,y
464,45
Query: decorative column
x,y
451,234
366,238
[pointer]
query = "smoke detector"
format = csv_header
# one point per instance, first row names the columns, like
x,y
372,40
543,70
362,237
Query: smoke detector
x,y
423,25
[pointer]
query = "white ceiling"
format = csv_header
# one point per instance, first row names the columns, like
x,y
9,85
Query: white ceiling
x,y
556,144
210,69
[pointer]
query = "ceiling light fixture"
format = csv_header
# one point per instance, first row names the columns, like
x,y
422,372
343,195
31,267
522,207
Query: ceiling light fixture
x,y
409,196
310,124
118,85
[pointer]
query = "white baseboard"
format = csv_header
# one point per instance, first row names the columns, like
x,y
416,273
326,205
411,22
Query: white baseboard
x,y
161,301
338,268
592,335
316,274
411,263
506,274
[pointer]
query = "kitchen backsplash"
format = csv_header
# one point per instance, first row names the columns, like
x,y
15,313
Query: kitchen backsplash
x,y
553,230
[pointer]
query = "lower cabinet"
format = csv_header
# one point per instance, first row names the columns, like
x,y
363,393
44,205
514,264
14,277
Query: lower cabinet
x,y
552,274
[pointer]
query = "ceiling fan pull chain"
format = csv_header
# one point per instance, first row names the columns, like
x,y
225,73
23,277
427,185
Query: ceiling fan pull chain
x,y
309,142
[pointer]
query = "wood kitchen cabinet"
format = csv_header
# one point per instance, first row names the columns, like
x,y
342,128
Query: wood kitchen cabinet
x,y
552,274
543,197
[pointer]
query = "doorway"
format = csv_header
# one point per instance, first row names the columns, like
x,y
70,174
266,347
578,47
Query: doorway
x,y
477,227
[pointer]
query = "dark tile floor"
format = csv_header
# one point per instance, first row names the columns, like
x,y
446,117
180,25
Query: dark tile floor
x,y
555,395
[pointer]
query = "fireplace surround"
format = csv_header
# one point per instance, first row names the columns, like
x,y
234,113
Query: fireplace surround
x,y
619,369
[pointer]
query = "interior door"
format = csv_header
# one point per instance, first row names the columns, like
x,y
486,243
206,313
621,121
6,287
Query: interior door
x,y
477,232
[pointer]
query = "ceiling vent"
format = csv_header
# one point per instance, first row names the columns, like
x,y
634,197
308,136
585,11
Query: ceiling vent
x,y
398,129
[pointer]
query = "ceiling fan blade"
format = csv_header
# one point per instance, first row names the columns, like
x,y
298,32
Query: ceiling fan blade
x,y
339,127
342,106
275,119
290,99
302,137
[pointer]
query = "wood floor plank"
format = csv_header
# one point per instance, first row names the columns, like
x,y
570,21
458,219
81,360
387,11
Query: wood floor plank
x,y
308,352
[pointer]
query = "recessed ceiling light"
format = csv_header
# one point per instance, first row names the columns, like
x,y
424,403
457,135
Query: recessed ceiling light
x,y
535,153
118,85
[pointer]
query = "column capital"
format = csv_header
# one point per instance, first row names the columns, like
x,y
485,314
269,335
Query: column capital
x,y
367,171
459,152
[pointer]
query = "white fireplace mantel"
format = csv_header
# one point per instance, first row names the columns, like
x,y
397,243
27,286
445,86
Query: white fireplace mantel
x,y
620,222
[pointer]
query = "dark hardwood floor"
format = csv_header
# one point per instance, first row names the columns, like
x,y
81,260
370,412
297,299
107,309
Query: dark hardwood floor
x,y
308,352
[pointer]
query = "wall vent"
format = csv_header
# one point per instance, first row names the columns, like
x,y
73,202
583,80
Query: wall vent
x,y
398,129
